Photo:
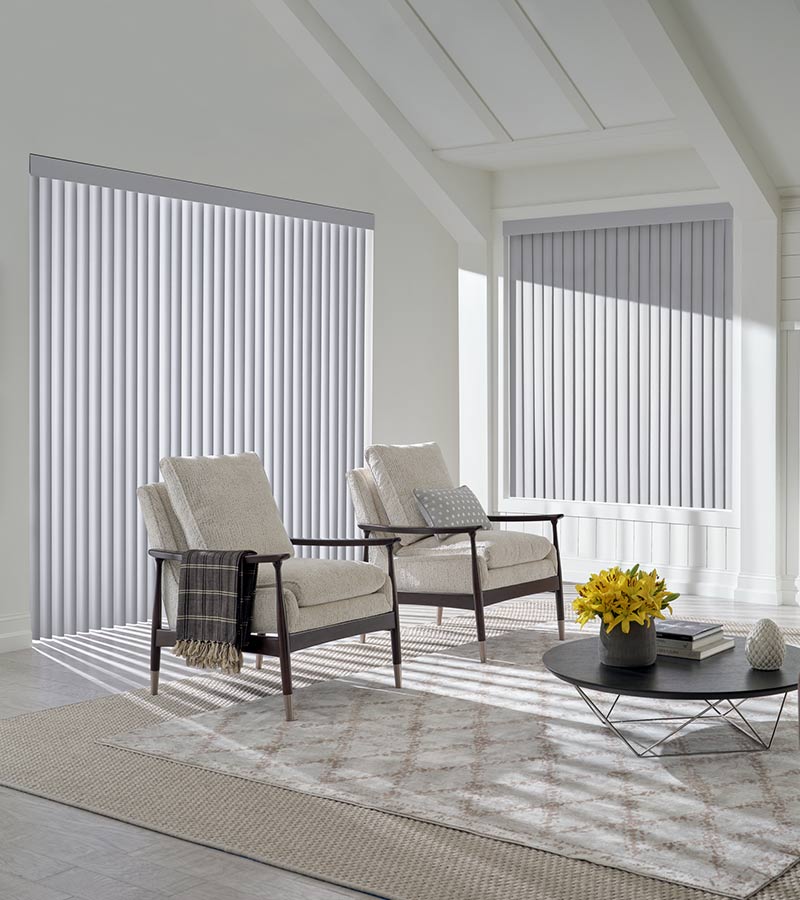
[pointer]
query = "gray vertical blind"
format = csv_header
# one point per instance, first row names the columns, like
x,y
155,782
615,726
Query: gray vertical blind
x,y
619,363
164,326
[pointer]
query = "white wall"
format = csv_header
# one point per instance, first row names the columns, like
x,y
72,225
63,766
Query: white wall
x,y
789,401
205,91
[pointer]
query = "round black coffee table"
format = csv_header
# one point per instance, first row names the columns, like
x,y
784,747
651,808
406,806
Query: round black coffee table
x,y
722,683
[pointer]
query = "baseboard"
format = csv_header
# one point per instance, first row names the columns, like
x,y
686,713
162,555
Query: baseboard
x,y
15,633
788,590
710,583
765,589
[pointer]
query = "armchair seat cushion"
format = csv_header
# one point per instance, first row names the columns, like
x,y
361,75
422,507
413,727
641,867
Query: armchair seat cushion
x,y
453,574
497,549
319,581
321,615
504,558
298,618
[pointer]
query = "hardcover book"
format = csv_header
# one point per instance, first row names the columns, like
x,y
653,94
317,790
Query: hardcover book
x,y
680,630
696,644
688,652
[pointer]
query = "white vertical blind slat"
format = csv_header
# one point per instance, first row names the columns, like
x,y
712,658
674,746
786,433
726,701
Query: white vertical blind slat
x,y
162,326
619,346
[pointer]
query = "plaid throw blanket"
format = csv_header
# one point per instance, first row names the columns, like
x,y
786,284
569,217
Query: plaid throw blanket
x,y
215,604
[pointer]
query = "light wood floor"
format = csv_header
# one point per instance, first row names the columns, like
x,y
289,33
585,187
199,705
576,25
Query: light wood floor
x,y
52,852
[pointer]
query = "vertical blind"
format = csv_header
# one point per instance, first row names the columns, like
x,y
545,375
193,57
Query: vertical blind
x,y
163,325
619,362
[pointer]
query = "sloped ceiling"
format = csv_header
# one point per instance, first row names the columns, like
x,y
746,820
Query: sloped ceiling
x,y
753,48
498,84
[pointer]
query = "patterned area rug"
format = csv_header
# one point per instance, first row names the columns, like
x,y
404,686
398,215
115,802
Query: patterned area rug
x,y
508,751
62,754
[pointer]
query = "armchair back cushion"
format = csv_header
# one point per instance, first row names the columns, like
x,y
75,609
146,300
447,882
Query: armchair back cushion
x,y
164,532
400,469
225,503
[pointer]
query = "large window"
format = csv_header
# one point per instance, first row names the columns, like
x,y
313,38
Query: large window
x,y
173,318
619,358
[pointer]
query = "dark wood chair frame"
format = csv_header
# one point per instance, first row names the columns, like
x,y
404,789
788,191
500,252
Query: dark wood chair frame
x,y
478,599
284,642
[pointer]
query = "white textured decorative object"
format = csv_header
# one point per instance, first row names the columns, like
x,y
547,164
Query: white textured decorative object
x,y
765,646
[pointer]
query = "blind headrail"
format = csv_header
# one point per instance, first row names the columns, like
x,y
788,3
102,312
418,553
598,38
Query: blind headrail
x,y
590,221
122,179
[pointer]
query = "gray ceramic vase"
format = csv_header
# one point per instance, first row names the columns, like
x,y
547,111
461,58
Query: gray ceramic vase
x,y
633,650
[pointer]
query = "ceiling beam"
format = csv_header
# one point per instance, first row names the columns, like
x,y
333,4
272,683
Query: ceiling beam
x,y
548,59
425,37
621,140
459,198
666,50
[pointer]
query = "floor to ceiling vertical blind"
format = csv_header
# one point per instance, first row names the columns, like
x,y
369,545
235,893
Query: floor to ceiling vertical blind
x,y
619,358
173,318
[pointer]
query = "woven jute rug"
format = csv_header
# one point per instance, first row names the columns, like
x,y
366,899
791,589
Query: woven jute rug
x,y
62,754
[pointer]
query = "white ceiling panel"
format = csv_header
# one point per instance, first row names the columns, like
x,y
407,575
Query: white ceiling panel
x,y
751,51
500,64
385,46
589,45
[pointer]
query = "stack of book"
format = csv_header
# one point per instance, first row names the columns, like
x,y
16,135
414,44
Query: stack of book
x,y
690,640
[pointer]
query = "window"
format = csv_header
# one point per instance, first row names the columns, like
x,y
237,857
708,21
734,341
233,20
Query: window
x,y
172,318
618,335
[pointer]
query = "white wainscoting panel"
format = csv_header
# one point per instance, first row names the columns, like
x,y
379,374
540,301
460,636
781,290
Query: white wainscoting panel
x,y
697,559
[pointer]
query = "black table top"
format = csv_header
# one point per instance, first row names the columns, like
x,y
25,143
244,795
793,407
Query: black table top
x,y
725,676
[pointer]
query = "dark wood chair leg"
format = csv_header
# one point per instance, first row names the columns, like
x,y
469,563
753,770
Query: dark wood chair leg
x,y
439,611
397,658
283,646
560,613
364,558
477,597
155,650
562,634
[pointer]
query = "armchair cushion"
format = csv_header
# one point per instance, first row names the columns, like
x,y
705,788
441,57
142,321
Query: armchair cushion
x,y
298,618
496,549
225,503
397,471
318,581
366,499
303,618
443,574
504,558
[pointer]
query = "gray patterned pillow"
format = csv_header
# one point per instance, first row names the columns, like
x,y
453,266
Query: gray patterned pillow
x,y
450,508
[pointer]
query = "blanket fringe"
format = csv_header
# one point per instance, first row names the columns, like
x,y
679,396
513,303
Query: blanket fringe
x,y
210,655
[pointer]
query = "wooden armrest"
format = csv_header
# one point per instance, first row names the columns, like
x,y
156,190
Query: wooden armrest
x,y
344,542
525,517
177,555
255,558
427,529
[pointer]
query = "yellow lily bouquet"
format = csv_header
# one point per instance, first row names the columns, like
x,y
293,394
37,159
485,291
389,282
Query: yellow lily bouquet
x,y
620,597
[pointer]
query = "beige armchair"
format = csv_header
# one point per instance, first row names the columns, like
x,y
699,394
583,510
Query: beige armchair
x,y
471,568
226,503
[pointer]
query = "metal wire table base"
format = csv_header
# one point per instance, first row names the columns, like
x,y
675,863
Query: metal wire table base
x,y
727,710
